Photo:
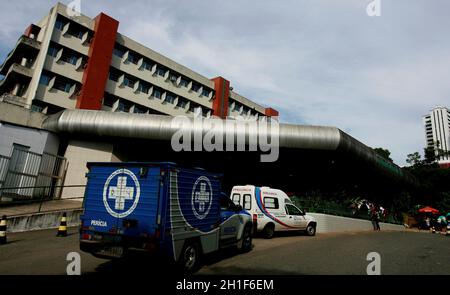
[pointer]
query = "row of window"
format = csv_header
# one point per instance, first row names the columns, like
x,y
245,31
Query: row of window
x,y
161,70
125,105
157,92
68,55
61,83
76,30
242,109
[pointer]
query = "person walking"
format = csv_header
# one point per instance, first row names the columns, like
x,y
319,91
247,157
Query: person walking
x,y
377,218
373,217
442,224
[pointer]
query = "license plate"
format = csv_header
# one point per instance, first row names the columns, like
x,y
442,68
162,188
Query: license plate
x,y
112,251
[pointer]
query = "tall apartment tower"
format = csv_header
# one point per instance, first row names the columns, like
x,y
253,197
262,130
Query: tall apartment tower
x,y
437,132
67,62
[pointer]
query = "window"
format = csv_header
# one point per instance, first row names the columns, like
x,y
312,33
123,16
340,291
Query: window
x,y
205,92
123,107
147,65
237,107
181,103
271,203
60,24
62,85
133,58
195,87
139,110
247,202
129,81
161,71
184,82
157,93
143,87
75,30
119,50
114,75
44,80
292,210
52,51
236,198
226,204
170,98
109,100
69,57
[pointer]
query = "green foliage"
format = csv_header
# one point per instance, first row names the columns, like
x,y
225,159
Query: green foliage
x,y
434,182
384,153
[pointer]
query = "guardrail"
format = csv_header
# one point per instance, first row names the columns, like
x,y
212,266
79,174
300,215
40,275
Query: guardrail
x,y
44,204
350,214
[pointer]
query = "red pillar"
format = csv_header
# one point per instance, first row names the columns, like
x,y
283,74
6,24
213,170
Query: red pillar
x,y
220,103
271,112
100,53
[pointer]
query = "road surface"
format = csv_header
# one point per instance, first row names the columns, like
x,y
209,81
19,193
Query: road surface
x,y
41,252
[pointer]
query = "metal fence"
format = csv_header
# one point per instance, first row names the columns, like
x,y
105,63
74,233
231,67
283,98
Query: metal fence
x,y
3,168
29,176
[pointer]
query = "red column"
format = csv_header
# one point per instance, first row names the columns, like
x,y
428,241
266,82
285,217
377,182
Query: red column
x,y
271,112
220,103
97,70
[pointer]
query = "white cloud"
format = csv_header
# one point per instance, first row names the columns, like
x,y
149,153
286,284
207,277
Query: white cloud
x,y
318,62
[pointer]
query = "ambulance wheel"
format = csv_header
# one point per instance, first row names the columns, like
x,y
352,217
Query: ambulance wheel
x,y
246,240
190,257
311,230
269,231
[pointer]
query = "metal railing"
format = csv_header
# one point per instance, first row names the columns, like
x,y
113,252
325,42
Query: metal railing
x,y
30,206
29,176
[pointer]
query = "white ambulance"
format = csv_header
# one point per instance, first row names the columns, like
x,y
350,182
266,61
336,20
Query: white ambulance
x,y
272,210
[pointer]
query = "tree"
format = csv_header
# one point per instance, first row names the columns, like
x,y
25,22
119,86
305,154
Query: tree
x,y
429,155
385,153
413,159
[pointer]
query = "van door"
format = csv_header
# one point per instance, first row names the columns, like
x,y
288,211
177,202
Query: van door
x,y
230,221
295,217
122,200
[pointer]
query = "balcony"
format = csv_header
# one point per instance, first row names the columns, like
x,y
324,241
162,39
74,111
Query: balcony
x,y
144,99
25,47
73,72
163,82
56,97
16,74
79,45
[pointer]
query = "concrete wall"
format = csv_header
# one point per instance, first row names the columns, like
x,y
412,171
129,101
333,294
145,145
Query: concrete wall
x,y
330,223
78,153
39,141
18,115
42,221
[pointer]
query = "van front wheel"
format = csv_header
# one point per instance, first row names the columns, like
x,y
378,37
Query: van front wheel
x,y
269,231
246,242
311,230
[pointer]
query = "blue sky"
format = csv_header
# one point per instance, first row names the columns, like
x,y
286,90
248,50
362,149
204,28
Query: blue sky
x,y
317,62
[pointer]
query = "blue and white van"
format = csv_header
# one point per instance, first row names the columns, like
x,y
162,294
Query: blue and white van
x,y
159,207
272,210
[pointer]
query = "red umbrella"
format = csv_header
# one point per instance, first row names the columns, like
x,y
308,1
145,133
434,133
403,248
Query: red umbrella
x,y
428,210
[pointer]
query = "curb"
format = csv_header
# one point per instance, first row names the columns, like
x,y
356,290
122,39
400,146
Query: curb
x,y
43,220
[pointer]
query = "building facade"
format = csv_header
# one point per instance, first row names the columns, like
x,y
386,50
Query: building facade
x,y
68,62
437,133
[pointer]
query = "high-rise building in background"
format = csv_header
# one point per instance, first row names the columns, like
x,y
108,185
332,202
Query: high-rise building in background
x,y
437,132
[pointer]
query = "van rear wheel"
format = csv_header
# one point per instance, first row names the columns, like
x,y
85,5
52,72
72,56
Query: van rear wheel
x,y
269,231
190,257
